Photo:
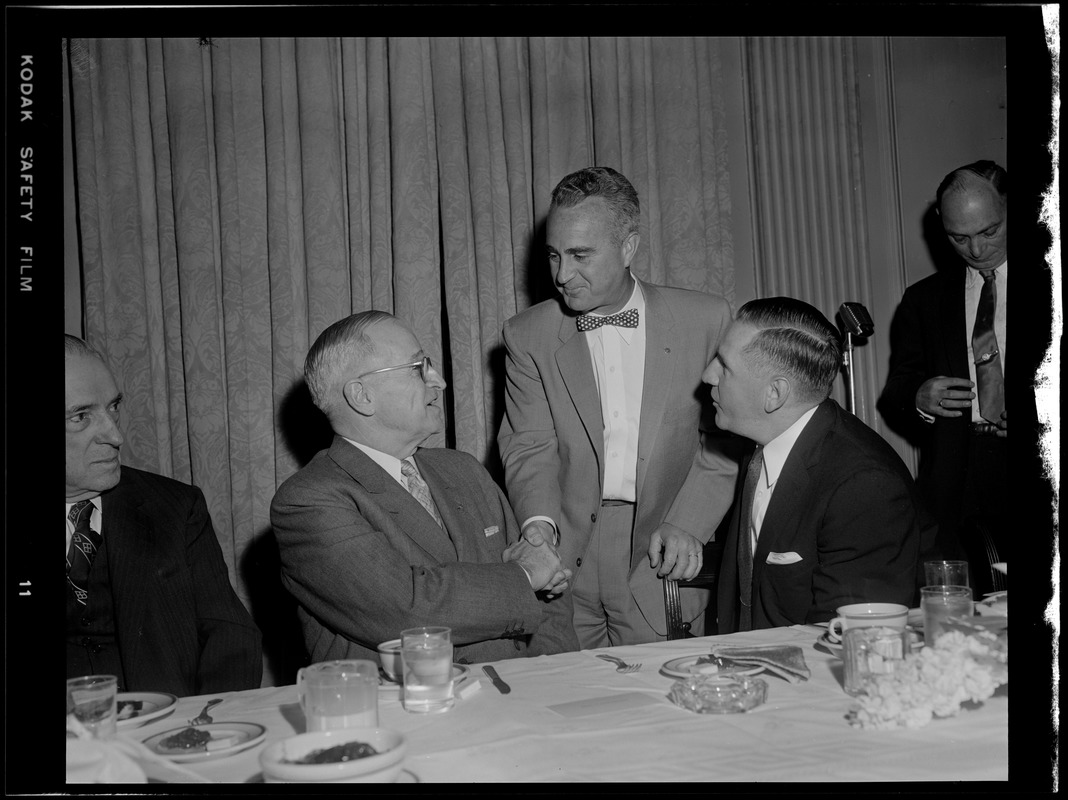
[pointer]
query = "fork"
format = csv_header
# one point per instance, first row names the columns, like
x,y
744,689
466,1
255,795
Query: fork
x,y
621,665
203,718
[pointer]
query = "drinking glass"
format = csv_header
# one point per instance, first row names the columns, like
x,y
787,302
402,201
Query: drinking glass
x,y
869,652
339,694
938,604
93,701
426,655
946,573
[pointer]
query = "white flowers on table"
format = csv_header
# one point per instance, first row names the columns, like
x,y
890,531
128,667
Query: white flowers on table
x,y
936,681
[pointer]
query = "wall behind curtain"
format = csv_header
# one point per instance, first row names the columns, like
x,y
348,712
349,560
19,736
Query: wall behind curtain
x,y
236,196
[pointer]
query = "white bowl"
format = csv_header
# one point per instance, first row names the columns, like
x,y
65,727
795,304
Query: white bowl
x,y
389,654
385,767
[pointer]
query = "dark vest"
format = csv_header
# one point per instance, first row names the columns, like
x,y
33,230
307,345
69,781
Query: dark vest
x,y
91,645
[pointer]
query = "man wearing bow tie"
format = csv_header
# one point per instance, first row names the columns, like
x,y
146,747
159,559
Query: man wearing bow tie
x,y
603,445
947,372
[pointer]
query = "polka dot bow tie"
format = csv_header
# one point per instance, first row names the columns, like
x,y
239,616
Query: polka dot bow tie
x,y
624,319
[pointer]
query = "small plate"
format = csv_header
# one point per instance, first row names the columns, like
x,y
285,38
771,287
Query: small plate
x,y
835,648
386,682
153,706
690,665
244,734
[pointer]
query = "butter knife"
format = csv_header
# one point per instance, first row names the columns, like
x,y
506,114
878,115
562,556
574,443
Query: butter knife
x,y
502,687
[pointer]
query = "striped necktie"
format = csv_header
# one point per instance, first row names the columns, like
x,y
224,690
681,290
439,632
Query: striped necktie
x,y
985,351
419,490
84,543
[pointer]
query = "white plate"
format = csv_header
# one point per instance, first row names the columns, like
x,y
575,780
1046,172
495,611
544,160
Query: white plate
x,y
245,734
835,648
153,706
385,682
686,666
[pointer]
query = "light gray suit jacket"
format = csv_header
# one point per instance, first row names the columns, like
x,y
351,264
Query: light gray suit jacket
x,y
364,560
552,436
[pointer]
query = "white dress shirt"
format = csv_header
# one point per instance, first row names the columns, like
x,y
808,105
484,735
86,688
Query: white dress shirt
x,y
618,359
96,521
617,356
775,454
390,464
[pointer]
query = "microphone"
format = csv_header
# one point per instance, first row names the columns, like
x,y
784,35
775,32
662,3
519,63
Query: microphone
x,y
856,319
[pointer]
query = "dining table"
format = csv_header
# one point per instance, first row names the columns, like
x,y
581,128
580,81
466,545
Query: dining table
x,y
573,717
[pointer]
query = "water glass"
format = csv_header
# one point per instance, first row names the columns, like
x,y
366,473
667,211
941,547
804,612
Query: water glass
x,y
93,701
339,694
946,573
940,603
870,652
426,656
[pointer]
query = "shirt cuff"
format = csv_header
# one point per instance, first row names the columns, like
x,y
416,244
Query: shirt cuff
x,y
925,416
556,531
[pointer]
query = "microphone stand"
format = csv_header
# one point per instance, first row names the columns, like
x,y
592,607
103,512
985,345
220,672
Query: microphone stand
x,y
847,362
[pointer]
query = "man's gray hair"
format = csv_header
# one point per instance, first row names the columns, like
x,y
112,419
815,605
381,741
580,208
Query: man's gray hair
x,y
610,186
334,351
795,339
79,347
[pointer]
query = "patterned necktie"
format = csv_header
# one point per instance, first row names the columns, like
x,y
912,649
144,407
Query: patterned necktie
x,y
419,490
985,351
84,543
745,541
624,319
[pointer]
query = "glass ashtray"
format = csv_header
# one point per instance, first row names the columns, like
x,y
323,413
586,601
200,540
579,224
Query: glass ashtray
x,y
719,694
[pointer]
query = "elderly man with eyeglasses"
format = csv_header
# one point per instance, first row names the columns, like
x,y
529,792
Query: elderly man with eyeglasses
x,y
378,534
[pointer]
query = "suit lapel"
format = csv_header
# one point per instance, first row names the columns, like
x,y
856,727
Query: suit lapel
x,y
792,487
576,370
953,322
129,540
450,497
659,370
411,518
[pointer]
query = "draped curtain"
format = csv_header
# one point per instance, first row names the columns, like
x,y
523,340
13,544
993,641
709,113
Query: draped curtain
x,y
236,196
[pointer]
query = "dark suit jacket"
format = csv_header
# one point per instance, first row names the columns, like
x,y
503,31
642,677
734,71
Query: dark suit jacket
x,y
846,504
179,625
552,436
927,339
364,560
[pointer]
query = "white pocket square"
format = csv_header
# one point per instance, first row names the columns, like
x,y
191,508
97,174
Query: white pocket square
x,y
492,529
783,558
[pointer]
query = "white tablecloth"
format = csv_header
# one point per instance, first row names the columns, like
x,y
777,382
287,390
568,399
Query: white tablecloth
x,y
800,734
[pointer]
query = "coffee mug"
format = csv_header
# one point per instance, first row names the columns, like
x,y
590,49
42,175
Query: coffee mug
x,y
389,654
867,615
339,694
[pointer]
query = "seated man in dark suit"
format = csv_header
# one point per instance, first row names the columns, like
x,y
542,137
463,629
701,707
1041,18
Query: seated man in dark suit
x,y
826,513
148,595
377,534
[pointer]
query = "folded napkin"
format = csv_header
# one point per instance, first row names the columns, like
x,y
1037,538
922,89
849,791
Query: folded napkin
x,y
785,660
102,761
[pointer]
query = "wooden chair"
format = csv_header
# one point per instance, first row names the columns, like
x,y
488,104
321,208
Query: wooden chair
x,y
678,628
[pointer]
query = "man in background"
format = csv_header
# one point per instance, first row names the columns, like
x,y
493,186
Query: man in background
x,y
148,595
826,514
947,372
378,534
603,446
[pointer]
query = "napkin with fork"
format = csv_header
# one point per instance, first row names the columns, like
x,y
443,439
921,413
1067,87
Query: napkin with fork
x,y
785,660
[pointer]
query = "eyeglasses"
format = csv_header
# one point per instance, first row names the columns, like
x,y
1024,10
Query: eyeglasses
x,y
424,365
